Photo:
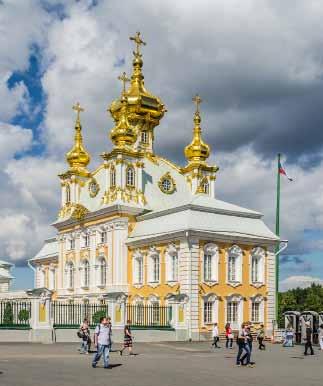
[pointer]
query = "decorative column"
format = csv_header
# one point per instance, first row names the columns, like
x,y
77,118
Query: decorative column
x,y
188,278
271,289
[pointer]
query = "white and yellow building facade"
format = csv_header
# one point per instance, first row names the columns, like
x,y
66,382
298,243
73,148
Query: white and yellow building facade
x,y
152,232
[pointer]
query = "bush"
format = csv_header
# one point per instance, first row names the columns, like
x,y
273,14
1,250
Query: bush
x,y
97,316
23,315
8,314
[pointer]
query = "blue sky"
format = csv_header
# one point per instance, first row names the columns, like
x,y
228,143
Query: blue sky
x,y
262,91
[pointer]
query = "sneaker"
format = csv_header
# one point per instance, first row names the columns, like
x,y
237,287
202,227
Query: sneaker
x,y
238,364
94,365
120,352
250,365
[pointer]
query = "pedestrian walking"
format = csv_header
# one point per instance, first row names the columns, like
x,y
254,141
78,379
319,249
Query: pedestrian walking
x,y
85,335
102,339
127,342
248,345
228,336
243,345
261,337
320,331
215,335
288,336
308,341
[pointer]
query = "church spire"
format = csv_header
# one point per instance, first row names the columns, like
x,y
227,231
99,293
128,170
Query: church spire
x,y
197,151
78,158
145,110
123,135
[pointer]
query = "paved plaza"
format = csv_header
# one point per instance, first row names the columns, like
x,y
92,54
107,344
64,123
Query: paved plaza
x,y
157,364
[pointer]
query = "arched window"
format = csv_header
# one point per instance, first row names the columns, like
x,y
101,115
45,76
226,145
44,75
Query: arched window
x,y
144,137
52,279
210,263
112,176
102,272
205,186
154,266
210,309
68,194
234,308
257,265
69,275
86,273
172,263
138,271
154,311
234,264
130,176
257,309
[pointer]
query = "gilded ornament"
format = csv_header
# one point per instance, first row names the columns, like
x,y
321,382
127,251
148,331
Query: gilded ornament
x,y
79,212
167,184
78,158
93,187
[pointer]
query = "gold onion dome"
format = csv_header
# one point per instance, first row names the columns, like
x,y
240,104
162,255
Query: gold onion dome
x,y
197,151
123,134
140,101
78,158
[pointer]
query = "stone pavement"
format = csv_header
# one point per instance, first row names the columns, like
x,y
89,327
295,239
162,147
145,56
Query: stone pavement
x,y
157,364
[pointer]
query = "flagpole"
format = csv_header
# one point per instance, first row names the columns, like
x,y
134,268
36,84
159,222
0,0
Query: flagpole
x,y
277,233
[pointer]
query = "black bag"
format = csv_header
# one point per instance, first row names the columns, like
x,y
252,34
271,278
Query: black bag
x,y
80,334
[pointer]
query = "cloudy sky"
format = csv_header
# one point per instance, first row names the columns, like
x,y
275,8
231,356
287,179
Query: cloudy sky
x,y
258,65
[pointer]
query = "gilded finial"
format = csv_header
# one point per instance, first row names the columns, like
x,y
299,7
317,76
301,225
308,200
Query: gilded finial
x,y
197,100
78,158
197,151
77,107
124,80
138,41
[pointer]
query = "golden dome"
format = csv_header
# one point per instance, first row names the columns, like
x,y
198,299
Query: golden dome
x,y
123,135
143,107
78,158
197,151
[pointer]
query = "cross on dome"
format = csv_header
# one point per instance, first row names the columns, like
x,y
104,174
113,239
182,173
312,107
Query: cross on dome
x,y
197,100
77,107
124,80
138,41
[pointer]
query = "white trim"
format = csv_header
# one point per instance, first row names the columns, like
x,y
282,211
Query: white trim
x,y
258,253
236,252
211,250
171,275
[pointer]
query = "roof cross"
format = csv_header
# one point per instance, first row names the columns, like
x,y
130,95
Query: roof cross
x,y
197,100
138,41
124,80
77,107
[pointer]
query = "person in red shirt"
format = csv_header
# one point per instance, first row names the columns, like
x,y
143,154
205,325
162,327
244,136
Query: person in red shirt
x,y
228,336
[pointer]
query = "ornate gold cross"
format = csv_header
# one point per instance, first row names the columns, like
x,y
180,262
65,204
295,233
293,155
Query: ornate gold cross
x,y
77,107
124,80
137,39
197,100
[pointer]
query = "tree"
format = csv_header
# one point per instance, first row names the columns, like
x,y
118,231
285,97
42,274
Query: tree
x,y
8,314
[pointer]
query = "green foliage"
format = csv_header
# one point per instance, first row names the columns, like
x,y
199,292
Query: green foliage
x,y
8,314
23,315
97,315
301,299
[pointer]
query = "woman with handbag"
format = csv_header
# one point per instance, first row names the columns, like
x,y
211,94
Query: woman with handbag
x,y
228,336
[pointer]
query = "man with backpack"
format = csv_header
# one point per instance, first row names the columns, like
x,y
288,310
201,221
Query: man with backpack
x,y
102,341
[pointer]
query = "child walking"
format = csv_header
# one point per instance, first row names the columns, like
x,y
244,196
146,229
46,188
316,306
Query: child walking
x,y
215,335
127,343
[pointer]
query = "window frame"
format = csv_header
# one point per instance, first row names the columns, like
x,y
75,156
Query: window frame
x,y
130,177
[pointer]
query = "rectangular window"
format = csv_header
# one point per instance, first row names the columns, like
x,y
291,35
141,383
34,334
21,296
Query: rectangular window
x,y
86,241
255,312
232,312
208,312
155,269
103,237
207,267
232,268
255,270
71,244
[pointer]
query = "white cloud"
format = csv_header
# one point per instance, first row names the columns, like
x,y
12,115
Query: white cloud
x,y
13,139
299,281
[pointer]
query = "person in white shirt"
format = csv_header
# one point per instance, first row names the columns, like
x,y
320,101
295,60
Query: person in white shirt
x,y
321,336
102,340
215,335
